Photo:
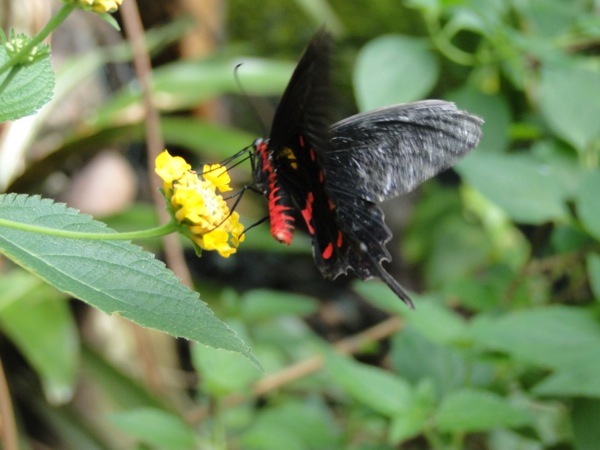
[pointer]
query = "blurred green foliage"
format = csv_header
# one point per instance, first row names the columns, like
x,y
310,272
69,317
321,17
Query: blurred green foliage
x,y
503,350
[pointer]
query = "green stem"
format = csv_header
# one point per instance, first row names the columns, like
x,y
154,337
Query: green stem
x,y
58,18
160,230
443,42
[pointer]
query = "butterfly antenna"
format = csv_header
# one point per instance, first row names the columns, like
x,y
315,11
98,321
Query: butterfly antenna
x,y
249,101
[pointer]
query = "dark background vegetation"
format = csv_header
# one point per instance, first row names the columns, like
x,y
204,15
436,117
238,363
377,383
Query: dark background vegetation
x,y
503,350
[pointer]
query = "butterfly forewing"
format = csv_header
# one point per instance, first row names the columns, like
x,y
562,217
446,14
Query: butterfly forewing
x,y
291,167
390,151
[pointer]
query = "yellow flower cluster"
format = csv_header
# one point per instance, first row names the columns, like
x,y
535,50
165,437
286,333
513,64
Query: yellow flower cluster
x,y
100,6
197,206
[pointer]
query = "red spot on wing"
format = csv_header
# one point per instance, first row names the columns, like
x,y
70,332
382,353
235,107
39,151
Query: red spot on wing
x,y
328,252
340,239
301,139
312,155
307,212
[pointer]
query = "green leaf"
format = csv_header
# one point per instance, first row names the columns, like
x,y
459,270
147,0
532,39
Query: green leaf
x,y
156,428
192,133
415,420
585,419
567,103
593,265
114,276
24,88
588,203
417,358
263,304
553,337
185,84
37,319
525,188
471,410
293,426
580,379
437,322
222,372
493,109
383,391
394,69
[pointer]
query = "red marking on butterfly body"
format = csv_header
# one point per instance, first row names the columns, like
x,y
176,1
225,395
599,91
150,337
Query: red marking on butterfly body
x,y
280,207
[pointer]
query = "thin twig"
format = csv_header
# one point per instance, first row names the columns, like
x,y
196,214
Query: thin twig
x,y
270,383
155,144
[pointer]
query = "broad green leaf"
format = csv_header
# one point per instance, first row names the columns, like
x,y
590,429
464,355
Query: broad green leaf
x,y
394,69
553,337
37,319
585,419
114,276
185,84
525,188
24,88
417,358
383,391
196,134
413,422
593,265
580,379
503,439
293,426
222,372
114,386
438,322
155,427
471,410
588,203
263,304
567,102
380,295
493,109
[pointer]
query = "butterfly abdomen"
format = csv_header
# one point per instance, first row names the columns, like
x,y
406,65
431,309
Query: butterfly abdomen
x,y
280,204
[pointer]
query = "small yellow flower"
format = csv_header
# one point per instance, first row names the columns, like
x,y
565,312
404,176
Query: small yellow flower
x,y
99,6
194,203
170,168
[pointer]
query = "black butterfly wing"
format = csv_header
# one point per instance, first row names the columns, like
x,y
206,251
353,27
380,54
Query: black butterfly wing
x,y
389,151
381,154
300,137
334,175
304,108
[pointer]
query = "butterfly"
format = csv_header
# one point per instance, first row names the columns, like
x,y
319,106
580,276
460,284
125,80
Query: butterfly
x,y
334,175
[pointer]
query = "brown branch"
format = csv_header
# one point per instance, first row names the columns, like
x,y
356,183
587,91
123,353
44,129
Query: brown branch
x,y
155,144
270,383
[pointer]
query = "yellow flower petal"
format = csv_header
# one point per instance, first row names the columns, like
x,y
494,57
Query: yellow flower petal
x,y
101,6
170,168
220,178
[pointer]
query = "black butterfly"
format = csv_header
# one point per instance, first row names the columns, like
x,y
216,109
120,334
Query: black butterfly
x,y
334,174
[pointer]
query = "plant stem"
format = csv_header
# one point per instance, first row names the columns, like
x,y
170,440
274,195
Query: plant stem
x,y
161,230
54,22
